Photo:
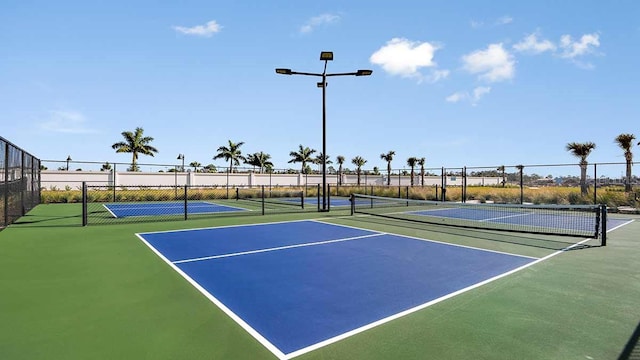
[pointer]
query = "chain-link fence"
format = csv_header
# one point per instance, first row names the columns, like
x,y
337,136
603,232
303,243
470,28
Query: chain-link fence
x,y
105,204
19,182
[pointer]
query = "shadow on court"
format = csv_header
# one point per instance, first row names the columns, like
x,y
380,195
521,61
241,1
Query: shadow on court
x,y
631,351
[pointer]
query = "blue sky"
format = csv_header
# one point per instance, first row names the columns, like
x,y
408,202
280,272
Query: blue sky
x,y
461,83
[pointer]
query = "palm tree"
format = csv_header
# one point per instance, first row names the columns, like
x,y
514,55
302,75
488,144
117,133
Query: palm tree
x,y
261,160
231,153
388,157
421,162
106,167
251,160
582,151
412,162
195,165
303,155
340,160
210,168
359,162
135,144
501,168
625,141
318,160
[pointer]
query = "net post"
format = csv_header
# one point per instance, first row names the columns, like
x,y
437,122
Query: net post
x,y
352,200
262,196
185,202
464,184
302,198
84,203
603,226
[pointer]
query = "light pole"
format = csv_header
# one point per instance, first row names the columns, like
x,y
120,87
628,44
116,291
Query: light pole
x,y
68,159
181,157
325,56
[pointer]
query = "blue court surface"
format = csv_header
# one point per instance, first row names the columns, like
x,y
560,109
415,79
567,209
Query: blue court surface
x,y
299,285
167,208
314,201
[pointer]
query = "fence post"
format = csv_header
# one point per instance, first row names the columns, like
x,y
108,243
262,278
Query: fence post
x,y
464,184
262,199
185,202
318,197
328,197
595,183
6,185
84,203
114,181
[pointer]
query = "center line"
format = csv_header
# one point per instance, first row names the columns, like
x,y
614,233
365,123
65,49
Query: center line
x,y
276,248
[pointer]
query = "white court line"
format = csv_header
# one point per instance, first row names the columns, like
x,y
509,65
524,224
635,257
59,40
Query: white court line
x,y
276,248
423,306
279,354
256,335
504,217
433,241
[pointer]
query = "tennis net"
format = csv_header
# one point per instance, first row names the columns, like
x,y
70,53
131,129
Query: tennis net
x,y
587,221
291,198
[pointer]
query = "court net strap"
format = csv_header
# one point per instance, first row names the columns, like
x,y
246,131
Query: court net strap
x,y
568,220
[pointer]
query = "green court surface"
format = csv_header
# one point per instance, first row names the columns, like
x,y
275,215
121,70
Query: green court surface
x,y
97,292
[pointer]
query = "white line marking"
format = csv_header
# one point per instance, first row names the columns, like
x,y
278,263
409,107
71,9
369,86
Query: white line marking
x,y
220,305
429,240
276,248
316,346
109,210
226,226
423,306
504,217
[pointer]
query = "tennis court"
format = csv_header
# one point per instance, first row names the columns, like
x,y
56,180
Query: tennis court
x,y
385,282
299,285
167,208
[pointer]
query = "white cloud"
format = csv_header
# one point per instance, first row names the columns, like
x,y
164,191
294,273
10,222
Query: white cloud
x,y
317,21
479,92
531,44
572,49
437,75
473,97
403,57
65,122
206,30
493,64
458,96
504,20
476,24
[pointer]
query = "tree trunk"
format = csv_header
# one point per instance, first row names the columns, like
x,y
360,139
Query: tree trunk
x,y
583,179
627,184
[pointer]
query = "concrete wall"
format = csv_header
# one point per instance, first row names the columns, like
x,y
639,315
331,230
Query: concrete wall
x,y
56,179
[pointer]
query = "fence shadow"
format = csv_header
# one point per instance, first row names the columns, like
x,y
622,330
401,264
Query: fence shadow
x,y
631,351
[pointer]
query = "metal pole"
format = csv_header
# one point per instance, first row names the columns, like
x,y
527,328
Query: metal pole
x,y
324,137
595,183
84,204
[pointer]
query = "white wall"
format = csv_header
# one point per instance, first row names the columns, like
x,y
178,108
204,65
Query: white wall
x,y
56,179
